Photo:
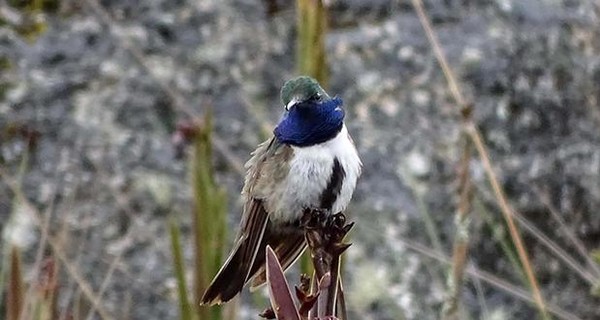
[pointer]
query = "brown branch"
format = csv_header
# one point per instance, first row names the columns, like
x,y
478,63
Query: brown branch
x,y
462,225
16,287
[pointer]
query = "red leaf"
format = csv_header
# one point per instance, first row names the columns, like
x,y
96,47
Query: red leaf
x,y
279,290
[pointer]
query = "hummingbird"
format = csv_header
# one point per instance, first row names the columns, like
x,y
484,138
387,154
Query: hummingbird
x,y
310,163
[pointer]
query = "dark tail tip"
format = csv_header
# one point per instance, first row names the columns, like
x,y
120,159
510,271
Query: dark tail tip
x,y
223,288
228,282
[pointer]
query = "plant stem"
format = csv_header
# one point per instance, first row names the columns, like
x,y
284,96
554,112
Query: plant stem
x,y
461,238
477,140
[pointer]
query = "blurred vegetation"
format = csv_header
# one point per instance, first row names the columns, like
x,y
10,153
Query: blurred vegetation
x,y
596,256
5,65
500,236
311,25
209,216
15,296
209,226
186,311
310,44
29,21
35,5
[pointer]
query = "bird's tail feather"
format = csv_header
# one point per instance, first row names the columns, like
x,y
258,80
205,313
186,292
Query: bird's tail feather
x,y
230,280
235,272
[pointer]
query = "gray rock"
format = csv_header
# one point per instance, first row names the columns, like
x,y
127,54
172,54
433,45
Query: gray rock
x,y
104,155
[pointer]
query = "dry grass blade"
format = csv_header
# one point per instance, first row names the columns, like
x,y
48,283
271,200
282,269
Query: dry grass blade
x,y
437,51
461,238
485,313
77,305
16,289
579,246
554,248
333,294
106,281
488,278
56,248
85,287
508,214
518,292
46,295
42,244
477,140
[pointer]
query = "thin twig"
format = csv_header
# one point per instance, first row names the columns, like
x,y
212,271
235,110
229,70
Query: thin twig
x,y
579,246
461,238
477,140
57,249
73,294
83,285
37,265
106,281
439,55
488,278
558,252
481,298
508,214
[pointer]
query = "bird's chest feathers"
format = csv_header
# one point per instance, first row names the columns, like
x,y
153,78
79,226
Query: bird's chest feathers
x,y
309,174
320,175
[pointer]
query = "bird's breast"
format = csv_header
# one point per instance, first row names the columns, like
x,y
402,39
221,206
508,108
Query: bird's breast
x,y
319,176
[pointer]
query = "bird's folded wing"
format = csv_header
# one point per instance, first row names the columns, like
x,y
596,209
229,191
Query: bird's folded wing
x,y
287,248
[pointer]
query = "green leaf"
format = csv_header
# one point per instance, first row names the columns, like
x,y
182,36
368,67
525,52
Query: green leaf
x,y
185,309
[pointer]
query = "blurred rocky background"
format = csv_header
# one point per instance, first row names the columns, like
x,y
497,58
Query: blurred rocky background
x,y
91,92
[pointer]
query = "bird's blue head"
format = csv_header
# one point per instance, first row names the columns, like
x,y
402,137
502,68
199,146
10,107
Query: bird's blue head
x,y
311,115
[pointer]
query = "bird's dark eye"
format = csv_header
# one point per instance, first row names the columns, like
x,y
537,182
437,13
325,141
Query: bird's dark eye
x,y
317,97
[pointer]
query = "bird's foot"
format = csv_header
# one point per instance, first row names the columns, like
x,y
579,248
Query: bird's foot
x,y
337,227
326,229
332,224
315,218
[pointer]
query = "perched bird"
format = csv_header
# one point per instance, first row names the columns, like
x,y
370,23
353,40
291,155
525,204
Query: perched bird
x,y
309,163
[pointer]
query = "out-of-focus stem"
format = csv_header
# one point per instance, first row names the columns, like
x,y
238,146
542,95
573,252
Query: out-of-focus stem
x,y
311,25
461,235
477,140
